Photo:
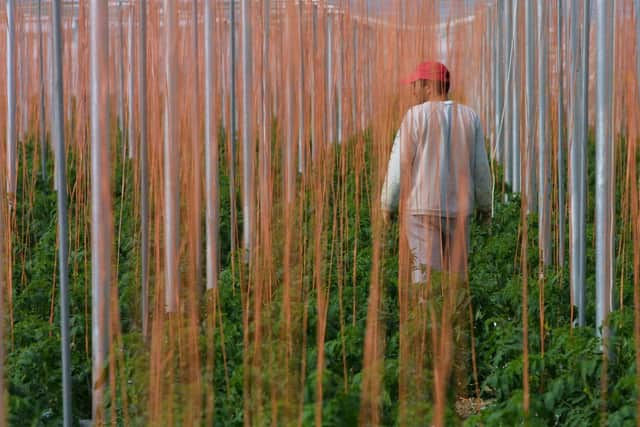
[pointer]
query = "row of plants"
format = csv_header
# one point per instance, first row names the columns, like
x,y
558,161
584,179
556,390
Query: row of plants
x,y
565,380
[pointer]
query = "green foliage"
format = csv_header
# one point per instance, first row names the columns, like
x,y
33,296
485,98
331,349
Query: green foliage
x,y
564,382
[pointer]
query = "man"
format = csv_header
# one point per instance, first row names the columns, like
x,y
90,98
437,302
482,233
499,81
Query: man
x,y
438,175
445,175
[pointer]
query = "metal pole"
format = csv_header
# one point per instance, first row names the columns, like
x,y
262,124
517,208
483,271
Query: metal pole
x,y
544,185
224,79
265,140
247,139
101,215
584,92
144,168
506,118
301,92
130,89
577,162
329,79
605,164
482,85
74,63
50,86
278,66
196,171
11,98
572,147
289,175
211,150
23,72
498,83
493,119
340,75
266,114
530,102
57,127
494,66
42,122
560,158
515,98
3,271
583,122
354,81
637,11
371,47
171,185
232,131
120,57
314,25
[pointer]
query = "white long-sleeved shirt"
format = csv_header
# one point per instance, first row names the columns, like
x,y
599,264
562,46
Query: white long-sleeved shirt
x,y
438,162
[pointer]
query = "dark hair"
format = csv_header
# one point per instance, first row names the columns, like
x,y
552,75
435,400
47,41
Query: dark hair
x,y
441,87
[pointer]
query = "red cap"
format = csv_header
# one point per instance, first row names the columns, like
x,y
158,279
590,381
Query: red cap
x,y
429,70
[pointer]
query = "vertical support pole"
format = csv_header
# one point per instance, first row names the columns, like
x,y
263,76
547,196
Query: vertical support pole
x,y
506,118
530,102
573,155
314,26
57,127
75,91
289,176
515,98
583,132
223,56
144,169
266,112
560,158
354,79
371,53
50,86
196,153
577,165
491,119
3,271
491,64
637,12
11,98
247,138
498,82
42,120
277,88
130,89
232,131
23,72
171,185
605,164
101,215
120,62
301,92
329,78
544,184
340,76
484,81
211,150
584,91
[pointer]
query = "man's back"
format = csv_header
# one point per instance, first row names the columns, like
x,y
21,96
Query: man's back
x,y
441,145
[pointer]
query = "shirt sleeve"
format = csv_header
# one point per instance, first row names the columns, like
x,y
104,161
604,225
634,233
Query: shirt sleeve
x,y
391,187
482,173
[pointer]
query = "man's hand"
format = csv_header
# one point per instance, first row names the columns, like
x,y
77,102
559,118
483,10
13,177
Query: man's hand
x,y
386,217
